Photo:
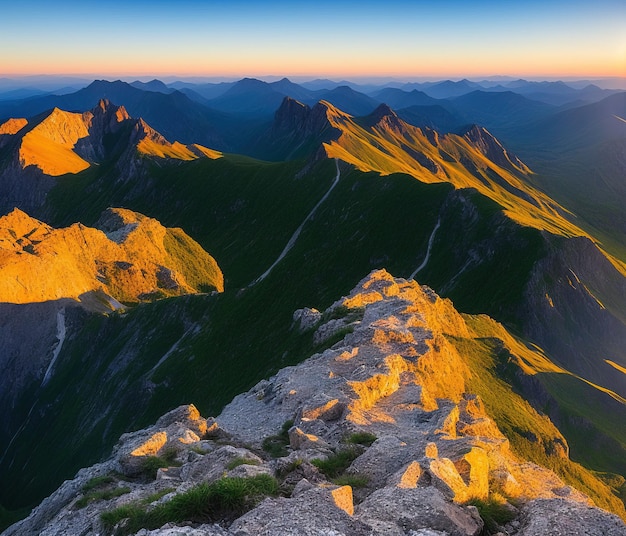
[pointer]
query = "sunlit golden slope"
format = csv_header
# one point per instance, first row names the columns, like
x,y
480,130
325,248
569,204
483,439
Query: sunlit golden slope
x,y
126,256
530,360
49,145
151,143
384,143
63,142
12,126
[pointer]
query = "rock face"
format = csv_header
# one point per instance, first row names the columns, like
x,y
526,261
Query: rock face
x,y
126,257
391,399
488,145
297,130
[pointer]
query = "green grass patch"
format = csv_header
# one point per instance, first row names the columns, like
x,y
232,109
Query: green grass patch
x,y
223,500
156,496
98,482
276,445
100,495
354,481
151,464
361,438
240,461
337,463
494,512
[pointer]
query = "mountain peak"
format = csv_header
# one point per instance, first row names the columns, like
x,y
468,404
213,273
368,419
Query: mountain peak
x,y
480,138
110,112
384,117
19,222
291,114
383,111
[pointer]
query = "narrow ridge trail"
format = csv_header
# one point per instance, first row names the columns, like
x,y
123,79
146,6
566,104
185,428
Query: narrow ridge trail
x,y
430,245
296,234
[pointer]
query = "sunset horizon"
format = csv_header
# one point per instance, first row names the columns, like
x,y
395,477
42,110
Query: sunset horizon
x,y
400,39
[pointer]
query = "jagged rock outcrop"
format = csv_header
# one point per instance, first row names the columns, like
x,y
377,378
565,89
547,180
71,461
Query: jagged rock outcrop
x,y
488,145
58,143
297,131
392,399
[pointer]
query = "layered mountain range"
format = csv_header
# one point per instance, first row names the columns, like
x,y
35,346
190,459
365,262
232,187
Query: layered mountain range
x,y
123,309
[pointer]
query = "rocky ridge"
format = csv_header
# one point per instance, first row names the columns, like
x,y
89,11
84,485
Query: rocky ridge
x,y
56,143
392,397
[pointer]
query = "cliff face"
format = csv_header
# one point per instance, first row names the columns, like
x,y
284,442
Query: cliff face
x,y
386,431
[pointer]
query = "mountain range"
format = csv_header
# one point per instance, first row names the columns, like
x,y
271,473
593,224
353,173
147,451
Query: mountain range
x,y
510,207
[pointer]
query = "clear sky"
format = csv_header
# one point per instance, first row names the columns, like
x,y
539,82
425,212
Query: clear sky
x,y
434,38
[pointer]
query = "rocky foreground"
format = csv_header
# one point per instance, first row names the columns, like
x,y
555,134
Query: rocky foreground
x,y
376,435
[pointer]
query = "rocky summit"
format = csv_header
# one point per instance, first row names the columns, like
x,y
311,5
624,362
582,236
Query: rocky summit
x,y
384,431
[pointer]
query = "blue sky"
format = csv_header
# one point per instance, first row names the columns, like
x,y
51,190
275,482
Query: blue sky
x,y
323,38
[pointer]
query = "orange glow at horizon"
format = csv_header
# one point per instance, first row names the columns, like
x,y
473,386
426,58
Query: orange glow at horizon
x,y
399,39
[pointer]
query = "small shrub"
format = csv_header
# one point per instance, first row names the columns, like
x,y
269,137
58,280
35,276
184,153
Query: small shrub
x,y
169,455
284,430
337,463
362,438
289,468
241,461
151,464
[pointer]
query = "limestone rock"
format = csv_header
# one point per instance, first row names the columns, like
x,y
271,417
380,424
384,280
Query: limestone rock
x,y
559,517
419,508
306,318
314,512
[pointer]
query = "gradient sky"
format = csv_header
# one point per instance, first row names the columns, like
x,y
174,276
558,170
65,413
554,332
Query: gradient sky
x,y
437,38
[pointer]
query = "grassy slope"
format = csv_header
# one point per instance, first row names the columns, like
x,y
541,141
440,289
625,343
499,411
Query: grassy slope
x,y
578,155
